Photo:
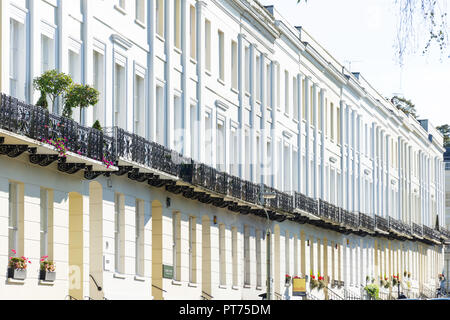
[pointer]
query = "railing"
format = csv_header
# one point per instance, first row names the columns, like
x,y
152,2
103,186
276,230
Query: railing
x,y
38,124
333,295
406,229
417,230
349,219
381,224
431,234
395,225
329,211
132,147
366,222
305,203
348,295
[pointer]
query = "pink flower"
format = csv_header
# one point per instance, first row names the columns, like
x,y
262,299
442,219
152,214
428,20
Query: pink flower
x,y
14,251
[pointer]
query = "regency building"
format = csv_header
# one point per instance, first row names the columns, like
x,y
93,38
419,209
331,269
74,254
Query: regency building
x,y
203,102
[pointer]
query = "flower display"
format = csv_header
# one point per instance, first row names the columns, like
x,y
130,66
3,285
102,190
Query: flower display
x,y
18,263
46,265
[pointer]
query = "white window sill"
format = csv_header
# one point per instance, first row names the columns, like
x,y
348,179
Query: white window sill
x,y
235,90
176,283
259,288
161,38
46,283
222,286
177,50
192,60
140,24
139,278
14,281
235,287
121,10
193,285
247,286
119,276
222,82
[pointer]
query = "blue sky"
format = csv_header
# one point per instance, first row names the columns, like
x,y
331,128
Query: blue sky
x,y
362,34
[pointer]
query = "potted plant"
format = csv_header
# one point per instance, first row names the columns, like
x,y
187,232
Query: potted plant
x,y
52,83
80,96
287,281
372,291
409,274
47,272
395,280
313,283
321,283
17,267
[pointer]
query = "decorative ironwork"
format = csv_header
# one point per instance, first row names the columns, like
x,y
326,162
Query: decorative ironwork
x,y
349,219
329,211
395,225
305,203
417,230
366,222
381,224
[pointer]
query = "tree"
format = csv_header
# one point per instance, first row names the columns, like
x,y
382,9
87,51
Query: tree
x,y
445,130
404,105
417,17
81,96
52,83
97,126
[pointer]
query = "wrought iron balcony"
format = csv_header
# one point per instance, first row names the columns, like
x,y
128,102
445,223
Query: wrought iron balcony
x,y
381,224
406,229
305,203
251,192
395,225
431,234
135,149
366,222
38,124
445,234
417,230
329,211
349,219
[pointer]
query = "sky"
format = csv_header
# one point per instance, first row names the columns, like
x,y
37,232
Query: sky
x,y
361,35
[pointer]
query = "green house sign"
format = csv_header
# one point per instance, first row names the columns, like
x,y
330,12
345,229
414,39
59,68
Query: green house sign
x,y
167,272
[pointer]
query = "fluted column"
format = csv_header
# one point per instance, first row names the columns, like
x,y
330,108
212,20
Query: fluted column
x,y
315,169
200,6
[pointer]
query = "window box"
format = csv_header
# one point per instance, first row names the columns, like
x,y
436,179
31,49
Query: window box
x,y
17,274
47,276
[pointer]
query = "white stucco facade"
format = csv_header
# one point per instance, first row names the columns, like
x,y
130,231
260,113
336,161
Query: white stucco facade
x,y
233,85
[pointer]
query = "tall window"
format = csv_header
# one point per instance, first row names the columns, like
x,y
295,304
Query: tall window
x,y
338,117
319,113
139,104
286,92
234,65
44,222
247,154
303,99
178,125
208,45
118,253
222,256
208,139
193,128
177,24
47,54
160,10
119,97
17,60
160,116
258,259
332,121
246,255
139,241
221,48
122,4
98,78
220,145
13,218
269,164
140,11
247,69
287,252
268,86
234,160
258,77
193,32
192,250
176,246
295,91
234,255
258,160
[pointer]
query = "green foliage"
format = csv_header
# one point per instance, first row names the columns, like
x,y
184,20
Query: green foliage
x,y
97,126
53,83
404,105
445,130
373,291
42,102
81,96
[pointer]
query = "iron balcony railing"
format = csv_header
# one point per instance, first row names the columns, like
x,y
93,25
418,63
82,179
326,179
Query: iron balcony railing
x,y
381,224
282,201
366,222
395,225
329,211
349,219
431,234
305,203
38,124
417,230
132,147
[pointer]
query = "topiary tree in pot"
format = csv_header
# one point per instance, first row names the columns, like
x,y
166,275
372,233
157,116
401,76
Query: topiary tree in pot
x,y
53,84
81,96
